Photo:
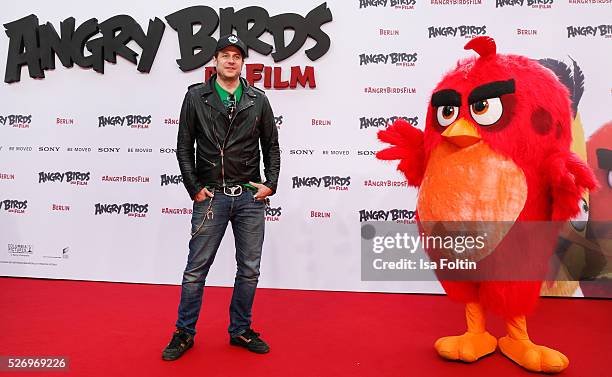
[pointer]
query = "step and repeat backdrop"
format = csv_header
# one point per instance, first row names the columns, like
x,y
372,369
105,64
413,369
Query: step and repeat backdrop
x,y
89,183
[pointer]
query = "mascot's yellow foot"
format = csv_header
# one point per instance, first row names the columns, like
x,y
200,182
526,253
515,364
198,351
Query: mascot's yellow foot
x,y
532,356
518,348
468,347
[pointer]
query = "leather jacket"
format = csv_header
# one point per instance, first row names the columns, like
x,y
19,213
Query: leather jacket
x,y
227,151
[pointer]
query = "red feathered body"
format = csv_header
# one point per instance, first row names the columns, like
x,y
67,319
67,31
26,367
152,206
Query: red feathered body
x,y
517,168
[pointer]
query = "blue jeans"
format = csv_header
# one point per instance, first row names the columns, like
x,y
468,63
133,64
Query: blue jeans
x,y
247,216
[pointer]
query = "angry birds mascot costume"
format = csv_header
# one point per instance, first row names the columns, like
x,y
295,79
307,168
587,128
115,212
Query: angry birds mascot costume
x,y
496,147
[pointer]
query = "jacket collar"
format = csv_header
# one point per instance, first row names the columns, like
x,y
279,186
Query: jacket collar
x,y
209,87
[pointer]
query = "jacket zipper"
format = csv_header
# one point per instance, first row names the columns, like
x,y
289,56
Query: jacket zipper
x,y
210,162
223,166
222,149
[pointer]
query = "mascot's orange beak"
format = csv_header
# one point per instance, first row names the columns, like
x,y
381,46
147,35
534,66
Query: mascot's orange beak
x,y
462,133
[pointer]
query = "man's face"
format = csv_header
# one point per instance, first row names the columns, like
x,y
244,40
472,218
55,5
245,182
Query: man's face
x,y
229,63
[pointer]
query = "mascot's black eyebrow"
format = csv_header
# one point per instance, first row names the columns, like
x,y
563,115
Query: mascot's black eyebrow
x,y
491,90
446,97
604,158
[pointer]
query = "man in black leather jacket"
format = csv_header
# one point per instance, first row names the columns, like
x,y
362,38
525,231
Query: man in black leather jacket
x,y
227,119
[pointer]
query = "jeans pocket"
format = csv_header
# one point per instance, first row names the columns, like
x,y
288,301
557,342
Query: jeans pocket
x,y
252,195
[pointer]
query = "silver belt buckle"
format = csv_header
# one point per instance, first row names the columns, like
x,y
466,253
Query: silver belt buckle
x,y
232,190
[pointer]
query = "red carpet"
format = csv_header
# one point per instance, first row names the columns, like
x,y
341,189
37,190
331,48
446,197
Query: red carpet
x,y
112,329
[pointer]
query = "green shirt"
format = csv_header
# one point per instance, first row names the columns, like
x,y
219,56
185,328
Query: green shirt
x,y
224,94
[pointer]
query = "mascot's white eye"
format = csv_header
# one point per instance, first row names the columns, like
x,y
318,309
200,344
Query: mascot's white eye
x,y
579,222
447,115
610,178
487,111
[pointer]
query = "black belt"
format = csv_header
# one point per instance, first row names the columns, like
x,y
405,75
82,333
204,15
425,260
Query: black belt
x,y
235,190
